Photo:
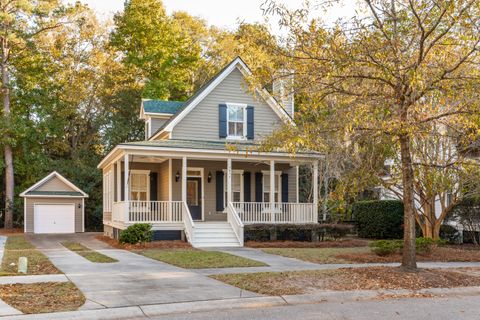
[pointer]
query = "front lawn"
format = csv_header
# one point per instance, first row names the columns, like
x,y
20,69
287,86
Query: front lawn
x,y
17,246
88,253
318,255
42,297
199,259
374,278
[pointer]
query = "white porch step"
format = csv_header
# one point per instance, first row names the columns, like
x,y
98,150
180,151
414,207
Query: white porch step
x,y
214,234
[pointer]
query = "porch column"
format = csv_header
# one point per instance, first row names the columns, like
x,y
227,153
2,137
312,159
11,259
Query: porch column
x,y
184,179
229,182
315,190
272,190
127,193
119,181
315,182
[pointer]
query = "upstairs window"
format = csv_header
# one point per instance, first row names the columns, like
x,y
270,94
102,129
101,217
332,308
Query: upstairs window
x,y
236,121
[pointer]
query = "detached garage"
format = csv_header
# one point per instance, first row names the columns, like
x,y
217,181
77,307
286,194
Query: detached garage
x,y
54,205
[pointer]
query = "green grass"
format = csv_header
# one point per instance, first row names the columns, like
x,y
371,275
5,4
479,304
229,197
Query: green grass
x,y
17,246
88,253
199,259
317,255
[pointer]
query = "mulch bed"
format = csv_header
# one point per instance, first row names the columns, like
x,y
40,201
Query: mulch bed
x,y
7,232
42,297
372,278
345,243
174,244
438,254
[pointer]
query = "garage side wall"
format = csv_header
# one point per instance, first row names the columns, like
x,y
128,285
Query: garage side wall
x,y
29,207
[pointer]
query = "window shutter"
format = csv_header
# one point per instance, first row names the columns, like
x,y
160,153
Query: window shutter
x,y
247,193
153,186
222,121
250,123
219,190
284,187
122,188
258,187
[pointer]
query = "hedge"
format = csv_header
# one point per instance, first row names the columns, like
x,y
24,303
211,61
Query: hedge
x,y
296,232
379,219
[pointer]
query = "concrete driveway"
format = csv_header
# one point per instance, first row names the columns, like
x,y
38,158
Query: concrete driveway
x,y
134,280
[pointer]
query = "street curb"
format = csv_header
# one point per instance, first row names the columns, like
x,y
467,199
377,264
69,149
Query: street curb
x,y
146,311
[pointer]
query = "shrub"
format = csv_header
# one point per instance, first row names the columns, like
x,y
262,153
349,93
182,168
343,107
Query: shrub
x,y
379,219
337,230
386,247
137,233
449,234
424,245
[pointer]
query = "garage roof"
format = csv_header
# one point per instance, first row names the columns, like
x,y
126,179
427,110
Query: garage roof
x,y
36,189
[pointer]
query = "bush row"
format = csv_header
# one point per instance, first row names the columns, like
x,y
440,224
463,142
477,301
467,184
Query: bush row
x,y
294,232
387,247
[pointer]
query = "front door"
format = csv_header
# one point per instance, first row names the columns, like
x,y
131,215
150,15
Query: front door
x,y
194,197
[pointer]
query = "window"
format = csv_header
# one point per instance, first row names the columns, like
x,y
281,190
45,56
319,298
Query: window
x,y
139,185
266,186
237,186
236,121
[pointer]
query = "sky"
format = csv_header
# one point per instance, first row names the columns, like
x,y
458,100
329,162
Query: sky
x,y
221,13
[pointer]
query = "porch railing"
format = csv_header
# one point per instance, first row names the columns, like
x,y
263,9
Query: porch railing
x,y
188,223
235,222
148,211
262,212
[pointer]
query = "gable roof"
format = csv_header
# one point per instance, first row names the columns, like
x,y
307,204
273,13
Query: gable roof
x,y
31,192
194,100
151,106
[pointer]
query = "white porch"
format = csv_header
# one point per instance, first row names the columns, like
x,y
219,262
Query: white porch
x,y
124,207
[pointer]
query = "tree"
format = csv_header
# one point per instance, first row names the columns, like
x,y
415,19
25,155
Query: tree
x,y
387,76
444,174
21,22
161,47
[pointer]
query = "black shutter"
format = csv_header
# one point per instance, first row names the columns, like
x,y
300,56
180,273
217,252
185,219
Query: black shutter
x,y
153,186
258,187
219,190
247,193
122,188
250,123
284,187
222,121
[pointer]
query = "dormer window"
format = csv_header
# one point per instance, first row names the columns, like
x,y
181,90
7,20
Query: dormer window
x,y
236,121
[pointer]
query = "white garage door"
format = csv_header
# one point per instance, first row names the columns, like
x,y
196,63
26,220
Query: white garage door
x,y
54,218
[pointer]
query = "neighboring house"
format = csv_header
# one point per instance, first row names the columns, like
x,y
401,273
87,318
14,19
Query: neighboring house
x,y
198,174
54,205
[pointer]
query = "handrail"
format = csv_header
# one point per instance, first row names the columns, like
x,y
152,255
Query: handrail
x,y
235,222
189,224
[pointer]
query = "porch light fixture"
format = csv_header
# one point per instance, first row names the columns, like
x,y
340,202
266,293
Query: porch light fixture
x,y
209,177
177,176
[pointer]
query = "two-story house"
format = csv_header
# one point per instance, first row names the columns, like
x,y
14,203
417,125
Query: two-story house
x,y
198,173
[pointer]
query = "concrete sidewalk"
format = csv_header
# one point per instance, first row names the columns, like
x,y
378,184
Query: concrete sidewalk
x,y
157,310
278,263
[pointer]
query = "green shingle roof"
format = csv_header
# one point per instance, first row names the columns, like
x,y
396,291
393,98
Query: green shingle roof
x,y
206,145
162,106
54,193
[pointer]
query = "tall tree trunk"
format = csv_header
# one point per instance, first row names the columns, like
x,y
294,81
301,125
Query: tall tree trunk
x,y
8,154
409,261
